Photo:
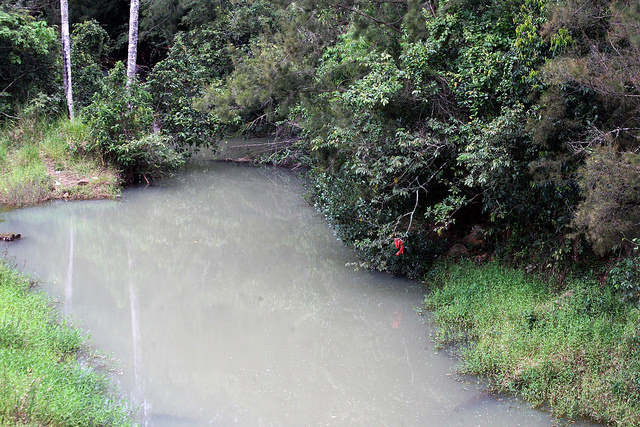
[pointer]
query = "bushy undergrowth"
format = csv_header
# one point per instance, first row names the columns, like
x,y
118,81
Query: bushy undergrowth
x,y
24,177
121,121
576,350
42,381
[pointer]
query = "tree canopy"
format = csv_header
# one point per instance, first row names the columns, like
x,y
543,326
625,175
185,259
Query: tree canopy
x,y
416,119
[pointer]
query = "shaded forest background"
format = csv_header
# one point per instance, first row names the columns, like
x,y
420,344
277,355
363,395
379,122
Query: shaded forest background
x,y
515,122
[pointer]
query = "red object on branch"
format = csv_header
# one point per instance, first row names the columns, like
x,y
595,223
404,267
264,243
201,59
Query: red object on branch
x,y
399,245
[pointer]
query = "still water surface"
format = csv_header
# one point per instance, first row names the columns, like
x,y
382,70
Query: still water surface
x,y
226,300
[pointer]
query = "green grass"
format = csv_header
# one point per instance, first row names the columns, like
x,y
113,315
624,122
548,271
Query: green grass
x,y
575,350
41,380
24,184
43,159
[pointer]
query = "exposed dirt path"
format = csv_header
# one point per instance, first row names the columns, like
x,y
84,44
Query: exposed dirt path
x,y
67,184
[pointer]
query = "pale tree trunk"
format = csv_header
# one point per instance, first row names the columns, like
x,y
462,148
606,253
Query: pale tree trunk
x,y
133,41
66,55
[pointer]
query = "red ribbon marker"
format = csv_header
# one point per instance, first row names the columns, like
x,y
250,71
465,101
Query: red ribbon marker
x,y
399,245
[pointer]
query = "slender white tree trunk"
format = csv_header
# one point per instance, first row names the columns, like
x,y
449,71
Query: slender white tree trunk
x,y
133,41
66,54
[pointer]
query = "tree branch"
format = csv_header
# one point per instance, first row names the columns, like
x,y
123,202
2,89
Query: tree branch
x,y
396,29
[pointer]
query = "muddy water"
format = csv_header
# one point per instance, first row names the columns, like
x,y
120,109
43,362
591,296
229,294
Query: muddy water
x,y
226,300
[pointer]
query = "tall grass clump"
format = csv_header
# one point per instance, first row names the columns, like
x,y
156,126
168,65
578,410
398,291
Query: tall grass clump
x,y
41,380
575,350
24,185
43,159
23,175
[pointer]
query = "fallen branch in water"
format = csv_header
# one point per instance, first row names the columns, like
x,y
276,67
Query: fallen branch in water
x,y
9,237
239,160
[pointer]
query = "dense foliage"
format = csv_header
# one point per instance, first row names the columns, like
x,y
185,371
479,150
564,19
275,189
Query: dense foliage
x,y
28,62
423,119
418,120
90,43
173,85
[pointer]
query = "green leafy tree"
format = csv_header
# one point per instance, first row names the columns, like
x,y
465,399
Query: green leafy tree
x,y
420,123
162,20
173,84
29,62
420,119
90,44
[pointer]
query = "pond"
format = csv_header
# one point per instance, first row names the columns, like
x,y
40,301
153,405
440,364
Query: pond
x,y
227,300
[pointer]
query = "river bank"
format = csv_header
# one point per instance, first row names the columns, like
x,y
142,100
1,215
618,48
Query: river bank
x,y
43,380
575,350
44,160
46,379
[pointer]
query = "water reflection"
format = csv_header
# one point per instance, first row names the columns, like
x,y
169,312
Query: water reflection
x,y
227,300
68,287
136,341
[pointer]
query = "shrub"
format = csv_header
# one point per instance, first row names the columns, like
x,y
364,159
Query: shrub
x,y
149,155
121,120
610,212
624,277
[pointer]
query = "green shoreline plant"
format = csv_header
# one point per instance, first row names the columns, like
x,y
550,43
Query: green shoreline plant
x,y
575,350
42,381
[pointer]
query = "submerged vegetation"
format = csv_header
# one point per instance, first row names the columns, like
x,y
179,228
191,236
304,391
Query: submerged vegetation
x,y
42,381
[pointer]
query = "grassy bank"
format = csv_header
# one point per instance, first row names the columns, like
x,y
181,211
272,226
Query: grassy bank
x,y
576,350
42,382
42,159
42,379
